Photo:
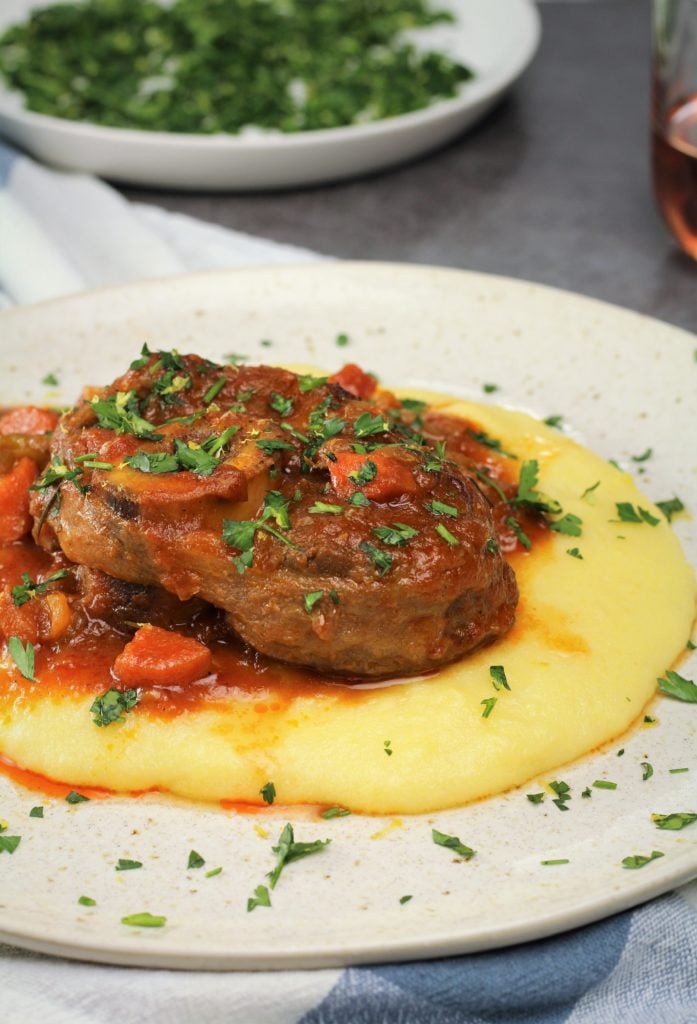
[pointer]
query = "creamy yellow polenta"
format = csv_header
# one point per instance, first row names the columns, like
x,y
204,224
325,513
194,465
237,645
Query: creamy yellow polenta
x,y
592,635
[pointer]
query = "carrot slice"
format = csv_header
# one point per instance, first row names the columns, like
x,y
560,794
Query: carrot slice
x,y
28,419
354,380
392,477
15,520
162,657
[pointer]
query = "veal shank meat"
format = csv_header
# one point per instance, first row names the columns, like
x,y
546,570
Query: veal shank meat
x,y
313,511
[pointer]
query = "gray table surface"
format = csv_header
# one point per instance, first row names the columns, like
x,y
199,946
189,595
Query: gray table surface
x,y
554,186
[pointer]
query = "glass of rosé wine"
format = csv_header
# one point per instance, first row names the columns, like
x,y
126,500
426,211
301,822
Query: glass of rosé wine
x,y
674,118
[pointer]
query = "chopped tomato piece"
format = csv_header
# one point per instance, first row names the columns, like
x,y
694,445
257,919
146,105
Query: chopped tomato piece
x,y
22,622
392,477
162,657
354,380
28,419
15,520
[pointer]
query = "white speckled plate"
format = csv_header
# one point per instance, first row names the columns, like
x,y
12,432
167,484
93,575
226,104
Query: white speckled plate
x,y
498,40
623,383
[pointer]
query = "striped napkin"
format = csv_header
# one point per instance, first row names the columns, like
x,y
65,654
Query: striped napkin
x,y
60,233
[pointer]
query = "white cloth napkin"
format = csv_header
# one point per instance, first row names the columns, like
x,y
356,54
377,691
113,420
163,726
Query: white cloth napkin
x,y
61,233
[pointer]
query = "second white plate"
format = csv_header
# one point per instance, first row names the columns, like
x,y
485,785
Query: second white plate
x,y
498,40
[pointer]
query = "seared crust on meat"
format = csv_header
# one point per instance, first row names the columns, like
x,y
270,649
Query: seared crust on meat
x,y
331,532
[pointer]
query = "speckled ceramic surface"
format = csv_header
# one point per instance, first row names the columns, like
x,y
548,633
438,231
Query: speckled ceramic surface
x,y
497,40
623,383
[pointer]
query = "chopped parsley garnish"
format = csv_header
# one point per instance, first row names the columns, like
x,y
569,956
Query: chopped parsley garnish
x,y
214,390
23,656
50,380
268,447
443,531
535,798
26,590
335,812
87,901
74,797
452,843
320,507
646,770
405,899
152,462
677,771
380,559
650,720
213,872
142,361
195,860
121,413
144,920
527,493
587,793
311,599
498,677
490,442
36,812
575,553
367,425
563,791
638,860
235,358
553,421
414,405
358,500
306,382
569,524
288,850
488,480
280,404
645,455
589,493
670,508
112,706
268,793
604,784
439,508
365,474
123,864
675,821
489,703
240,533
260,898
387,747
519,532
489,389
552,863
342,340
675,685
57,473
628,514
8,844
397,534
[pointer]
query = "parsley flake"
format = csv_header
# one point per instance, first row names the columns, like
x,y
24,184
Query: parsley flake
x,y
675,685
112,705
498,677
260,898
380,559
36,812
26,590
670,508
144,920
397,534
440,508
646,770
443,531
23,657
123,864
335,812
675,821
87,901
268,793
74,797
452,843
322,507
638,860
311,599
489,703
288,850
195,860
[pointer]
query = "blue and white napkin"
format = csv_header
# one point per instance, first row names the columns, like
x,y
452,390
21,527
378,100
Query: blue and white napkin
x,y
61,233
